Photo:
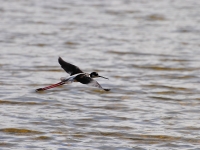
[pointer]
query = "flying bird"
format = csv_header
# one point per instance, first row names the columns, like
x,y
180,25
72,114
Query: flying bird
x,y
76,75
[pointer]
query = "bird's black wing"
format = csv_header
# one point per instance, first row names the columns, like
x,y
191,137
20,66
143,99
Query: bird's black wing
x,y
69,68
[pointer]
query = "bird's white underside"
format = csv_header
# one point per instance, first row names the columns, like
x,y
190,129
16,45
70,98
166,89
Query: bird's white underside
x,y
71,79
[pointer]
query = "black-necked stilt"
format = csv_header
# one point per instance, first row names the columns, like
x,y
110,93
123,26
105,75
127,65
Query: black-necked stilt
x,y
76,75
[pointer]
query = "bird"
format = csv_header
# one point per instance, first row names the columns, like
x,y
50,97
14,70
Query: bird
x,y
76,75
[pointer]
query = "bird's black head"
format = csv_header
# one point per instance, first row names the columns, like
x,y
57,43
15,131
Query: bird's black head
x,y
95,75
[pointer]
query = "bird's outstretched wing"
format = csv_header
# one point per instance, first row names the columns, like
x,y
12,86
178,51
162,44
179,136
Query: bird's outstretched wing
x,y
85,79
96,84
69,68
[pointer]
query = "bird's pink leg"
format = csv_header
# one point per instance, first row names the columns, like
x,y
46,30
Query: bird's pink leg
x,y
51,86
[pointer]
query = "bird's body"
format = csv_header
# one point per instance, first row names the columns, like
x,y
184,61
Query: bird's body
x,y
76,75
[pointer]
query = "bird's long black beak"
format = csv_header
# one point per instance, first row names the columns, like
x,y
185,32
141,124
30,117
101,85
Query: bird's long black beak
x,y
103,77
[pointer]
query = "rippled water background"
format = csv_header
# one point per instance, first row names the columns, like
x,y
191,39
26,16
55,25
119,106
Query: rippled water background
x,y
149,50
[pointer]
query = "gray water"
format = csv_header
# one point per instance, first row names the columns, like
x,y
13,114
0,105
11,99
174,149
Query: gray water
x,y
149,50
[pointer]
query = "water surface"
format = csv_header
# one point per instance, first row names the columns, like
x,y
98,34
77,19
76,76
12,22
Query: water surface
x,y
149,50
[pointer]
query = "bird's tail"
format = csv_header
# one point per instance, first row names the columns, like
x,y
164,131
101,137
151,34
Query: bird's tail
x,y
62,79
